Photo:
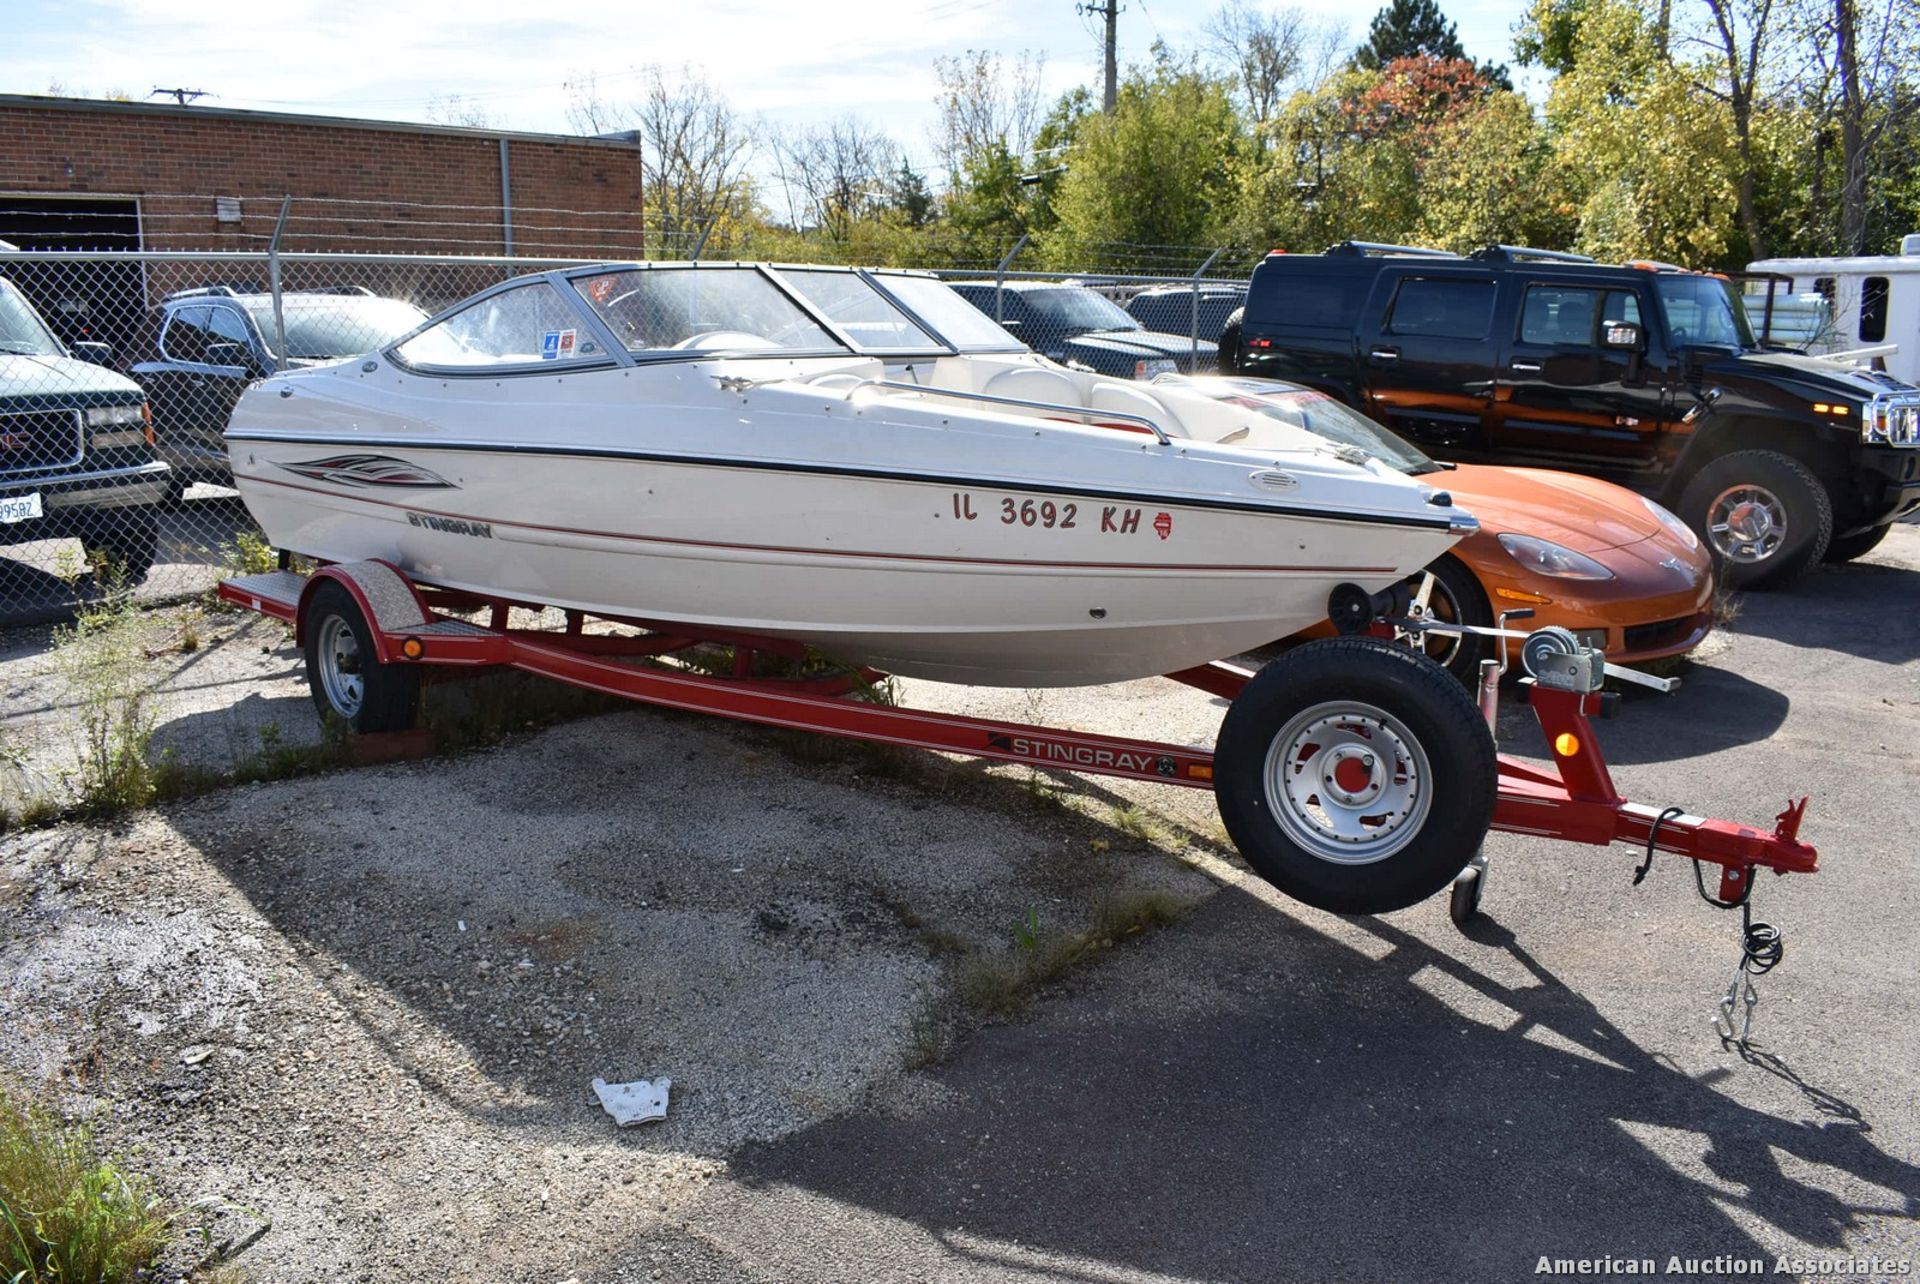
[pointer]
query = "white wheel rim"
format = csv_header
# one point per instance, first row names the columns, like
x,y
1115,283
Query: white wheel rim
x,y
1348,782
337,653
1747,523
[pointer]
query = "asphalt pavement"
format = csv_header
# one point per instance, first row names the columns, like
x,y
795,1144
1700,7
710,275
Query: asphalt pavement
x,y
1269,1093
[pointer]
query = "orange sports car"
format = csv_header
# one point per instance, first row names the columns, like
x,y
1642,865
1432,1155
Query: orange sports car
x,y
1618,569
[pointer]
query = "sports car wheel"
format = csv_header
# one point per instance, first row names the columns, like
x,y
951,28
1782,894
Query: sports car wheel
x,y
346,678
1355,775
1765,518
1455,597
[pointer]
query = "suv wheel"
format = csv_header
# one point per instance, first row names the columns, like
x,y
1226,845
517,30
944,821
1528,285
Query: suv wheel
x,y
124,546
1764,516
1844,548
1230,342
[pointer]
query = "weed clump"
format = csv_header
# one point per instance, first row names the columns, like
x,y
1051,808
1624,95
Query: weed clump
x,y
66,1213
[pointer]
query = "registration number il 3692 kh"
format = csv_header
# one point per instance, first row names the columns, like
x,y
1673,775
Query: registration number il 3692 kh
x,y
20,508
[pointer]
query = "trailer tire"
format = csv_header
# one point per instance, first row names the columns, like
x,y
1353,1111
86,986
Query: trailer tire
x,y
1389,731
346,678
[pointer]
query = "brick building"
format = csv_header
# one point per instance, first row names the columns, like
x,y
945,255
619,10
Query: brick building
x,y
89,174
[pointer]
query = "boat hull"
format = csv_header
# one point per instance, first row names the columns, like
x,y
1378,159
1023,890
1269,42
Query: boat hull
x,y
986,583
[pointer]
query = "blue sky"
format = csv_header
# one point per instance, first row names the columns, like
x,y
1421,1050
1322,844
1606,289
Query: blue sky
x,y
782,62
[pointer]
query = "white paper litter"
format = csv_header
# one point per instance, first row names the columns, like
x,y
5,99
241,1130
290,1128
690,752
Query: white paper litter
x,y
642,1101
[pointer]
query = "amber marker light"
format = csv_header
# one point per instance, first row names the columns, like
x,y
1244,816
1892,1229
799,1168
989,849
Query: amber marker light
x,y
1566,744
413,648
1521,595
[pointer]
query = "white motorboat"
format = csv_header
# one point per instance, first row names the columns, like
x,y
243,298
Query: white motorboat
x,y
857,460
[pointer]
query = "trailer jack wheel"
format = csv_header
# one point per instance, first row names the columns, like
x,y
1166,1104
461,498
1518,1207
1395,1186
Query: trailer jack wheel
x,y
344,672
1355,775
1469,886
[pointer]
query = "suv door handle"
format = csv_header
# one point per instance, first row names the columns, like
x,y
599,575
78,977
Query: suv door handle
x,y
1527,367
1384,354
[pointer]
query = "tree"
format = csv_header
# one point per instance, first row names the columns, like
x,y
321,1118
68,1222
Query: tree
x,y
910,197
694,151
1738,38
986,101
1417,28
1645,160
1269,52
1157,170
836,175
1404,29
1866,52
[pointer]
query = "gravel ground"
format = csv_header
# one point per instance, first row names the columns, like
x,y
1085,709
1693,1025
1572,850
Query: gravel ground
x,y
362,1010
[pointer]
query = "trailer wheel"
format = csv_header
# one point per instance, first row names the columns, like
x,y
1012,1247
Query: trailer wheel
x,y
346,678
1355,775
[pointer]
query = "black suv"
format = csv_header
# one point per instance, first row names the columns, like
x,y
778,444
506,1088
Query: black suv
x,y
76,455
1645,374
216,340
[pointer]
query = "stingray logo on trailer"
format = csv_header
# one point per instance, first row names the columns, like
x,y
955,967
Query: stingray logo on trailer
x,y
361,471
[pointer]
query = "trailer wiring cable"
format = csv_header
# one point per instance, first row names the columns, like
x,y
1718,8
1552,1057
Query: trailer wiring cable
x,y
1762,945
1653,836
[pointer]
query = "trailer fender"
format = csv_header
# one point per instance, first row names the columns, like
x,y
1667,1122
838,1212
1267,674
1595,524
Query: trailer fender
x,y
385,596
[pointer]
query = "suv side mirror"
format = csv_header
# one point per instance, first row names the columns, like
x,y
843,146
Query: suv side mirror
x,y
99,354
231,354
1622,336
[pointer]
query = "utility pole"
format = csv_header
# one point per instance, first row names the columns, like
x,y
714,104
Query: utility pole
x,y
181,96
1111,12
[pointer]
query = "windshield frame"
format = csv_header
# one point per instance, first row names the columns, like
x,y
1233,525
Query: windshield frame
x,y
880,278
54,348
617,354
1743,336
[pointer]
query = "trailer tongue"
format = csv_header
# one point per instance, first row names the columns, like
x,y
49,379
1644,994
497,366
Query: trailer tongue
x,y
1353,773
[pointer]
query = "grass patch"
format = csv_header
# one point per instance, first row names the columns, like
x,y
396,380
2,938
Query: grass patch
x,y
1136,824
99,658
66,1213
1000,984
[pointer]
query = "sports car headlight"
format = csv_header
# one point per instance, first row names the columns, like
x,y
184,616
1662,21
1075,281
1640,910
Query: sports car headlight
x,y
1147,369
1548,558
1675,527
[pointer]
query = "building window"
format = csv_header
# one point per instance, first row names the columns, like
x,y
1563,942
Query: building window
x,y
1873,309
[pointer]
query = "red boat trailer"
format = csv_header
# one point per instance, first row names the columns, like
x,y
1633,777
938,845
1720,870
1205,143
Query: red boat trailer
x,y
1578,802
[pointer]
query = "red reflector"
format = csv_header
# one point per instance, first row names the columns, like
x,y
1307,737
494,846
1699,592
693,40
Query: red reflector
x,y
1259,343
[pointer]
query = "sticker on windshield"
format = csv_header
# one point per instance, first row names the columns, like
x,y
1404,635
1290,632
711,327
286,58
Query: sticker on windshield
x,y
557,345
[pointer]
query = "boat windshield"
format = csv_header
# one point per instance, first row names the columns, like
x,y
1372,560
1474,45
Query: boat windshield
x,y
677,310
862,313
961,324
1316,413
